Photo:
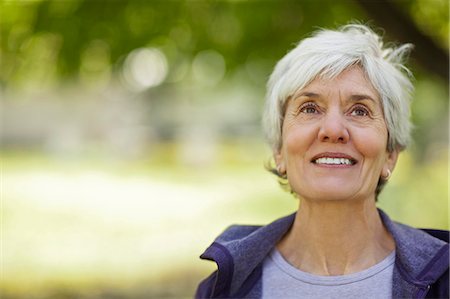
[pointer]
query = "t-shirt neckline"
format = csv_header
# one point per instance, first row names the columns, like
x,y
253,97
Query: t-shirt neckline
x,y
306,277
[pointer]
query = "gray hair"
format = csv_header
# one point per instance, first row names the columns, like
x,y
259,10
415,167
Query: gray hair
x,y
326,54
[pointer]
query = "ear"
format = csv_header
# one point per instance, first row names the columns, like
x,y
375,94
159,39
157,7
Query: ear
x,y
279,161
391,161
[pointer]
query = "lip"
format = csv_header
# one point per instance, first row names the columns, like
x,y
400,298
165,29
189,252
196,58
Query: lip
x,y
334,155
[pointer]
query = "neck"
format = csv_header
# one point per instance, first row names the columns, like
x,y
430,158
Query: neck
x,y
336,237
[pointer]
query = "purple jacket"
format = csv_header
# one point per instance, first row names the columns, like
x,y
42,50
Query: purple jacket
x,y
421,267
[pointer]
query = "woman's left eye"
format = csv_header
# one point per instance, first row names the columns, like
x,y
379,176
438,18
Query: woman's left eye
x,y
359,111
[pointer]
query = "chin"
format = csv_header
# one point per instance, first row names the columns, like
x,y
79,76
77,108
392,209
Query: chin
x,y
328,196
332,192
332,187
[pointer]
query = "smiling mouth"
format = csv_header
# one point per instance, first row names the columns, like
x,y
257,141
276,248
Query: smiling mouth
x,y
334,161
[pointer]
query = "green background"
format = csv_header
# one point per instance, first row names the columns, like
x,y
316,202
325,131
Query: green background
x,y
131,134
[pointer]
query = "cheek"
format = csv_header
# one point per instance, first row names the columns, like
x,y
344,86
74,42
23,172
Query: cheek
x,y
371,144
298,139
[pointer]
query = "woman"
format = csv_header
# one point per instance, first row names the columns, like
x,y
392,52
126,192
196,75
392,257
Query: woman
x,y
337,117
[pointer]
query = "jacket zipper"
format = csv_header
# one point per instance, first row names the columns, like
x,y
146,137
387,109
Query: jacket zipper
x,y
422,292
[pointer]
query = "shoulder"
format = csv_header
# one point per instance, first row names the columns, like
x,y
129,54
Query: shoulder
x,y
438,233
220,251
428,258
238,252
206,287
236,232
419,246
410,238
422,254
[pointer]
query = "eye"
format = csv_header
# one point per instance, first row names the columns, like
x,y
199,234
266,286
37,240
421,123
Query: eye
x,y
309,108
359,111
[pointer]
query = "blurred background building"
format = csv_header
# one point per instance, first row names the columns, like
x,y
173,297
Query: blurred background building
x,y
130,134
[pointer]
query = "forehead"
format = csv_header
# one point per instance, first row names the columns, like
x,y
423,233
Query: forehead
x,y
352,81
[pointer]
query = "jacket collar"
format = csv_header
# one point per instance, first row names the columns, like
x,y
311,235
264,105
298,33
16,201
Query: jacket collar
x,y
421,259
248,246
415,249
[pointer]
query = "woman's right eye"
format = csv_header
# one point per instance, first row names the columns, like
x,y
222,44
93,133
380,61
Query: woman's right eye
x,y
309,108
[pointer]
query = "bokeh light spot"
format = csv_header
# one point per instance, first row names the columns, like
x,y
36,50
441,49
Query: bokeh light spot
x,y
145,68
208,67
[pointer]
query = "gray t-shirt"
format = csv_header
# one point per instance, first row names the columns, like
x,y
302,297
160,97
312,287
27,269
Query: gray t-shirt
x,y
282,280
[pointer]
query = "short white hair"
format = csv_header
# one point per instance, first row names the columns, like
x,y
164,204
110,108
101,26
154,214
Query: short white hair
x,y
326,54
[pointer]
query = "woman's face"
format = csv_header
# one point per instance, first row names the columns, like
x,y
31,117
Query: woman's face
x,y
334,139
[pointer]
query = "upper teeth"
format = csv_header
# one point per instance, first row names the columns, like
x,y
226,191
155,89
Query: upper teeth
x,y
333,161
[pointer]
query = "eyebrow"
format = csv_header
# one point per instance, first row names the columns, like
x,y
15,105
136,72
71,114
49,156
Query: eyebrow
x,y
354,97
307,94
360,97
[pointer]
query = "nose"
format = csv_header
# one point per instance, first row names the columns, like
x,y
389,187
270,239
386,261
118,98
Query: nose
x,y
334,128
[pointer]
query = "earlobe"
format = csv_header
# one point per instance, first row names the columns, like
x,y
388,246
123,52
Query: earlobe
x,y
279,161
389,165
386,176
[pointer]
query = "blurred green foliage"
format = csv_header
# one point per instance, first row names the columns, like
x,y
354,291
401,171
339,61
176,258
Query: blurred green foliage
x,y
57,40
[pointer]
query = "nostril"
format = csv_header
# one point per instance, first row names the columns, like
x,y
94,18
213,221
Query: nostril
x,y
329,138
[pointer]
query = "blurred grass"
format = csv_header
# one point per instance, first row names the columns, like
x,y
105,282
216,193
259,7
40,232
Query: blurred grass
x,y
96,226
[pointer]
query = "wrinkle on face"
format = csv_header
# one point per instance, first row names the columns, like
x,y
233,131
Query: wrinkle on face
x,y
346,104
